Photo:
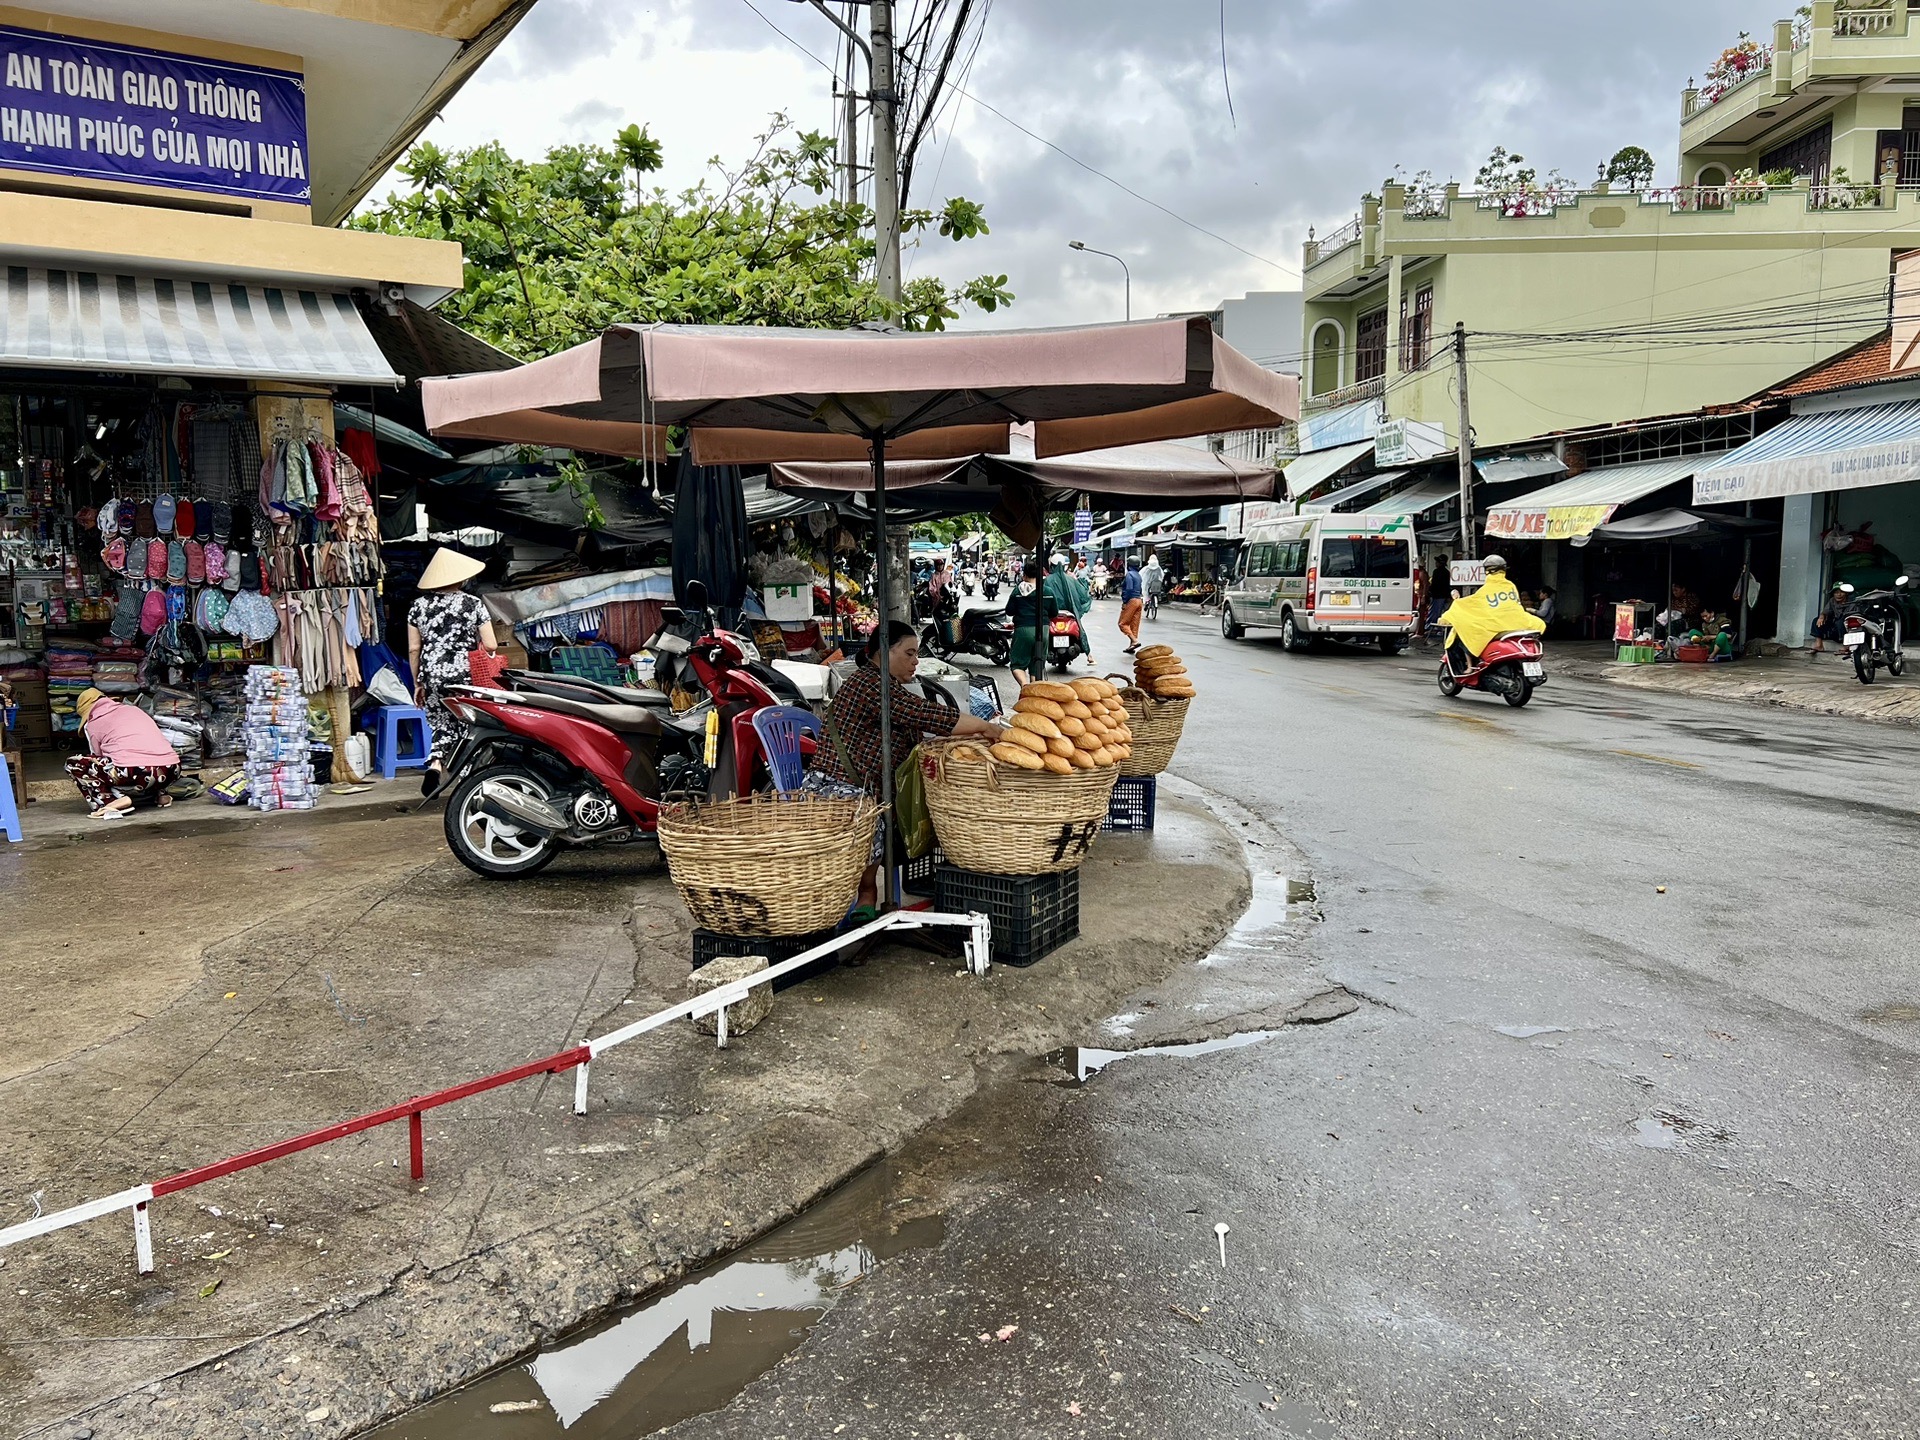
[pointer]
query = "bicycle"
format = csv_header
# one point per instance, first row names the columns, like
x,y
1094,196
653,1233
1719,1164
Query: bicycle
x,y
1153,605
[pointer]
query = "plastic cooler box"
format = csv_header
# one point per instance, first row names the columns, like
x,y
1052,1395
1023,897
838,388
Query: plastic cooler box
x,y
1032,915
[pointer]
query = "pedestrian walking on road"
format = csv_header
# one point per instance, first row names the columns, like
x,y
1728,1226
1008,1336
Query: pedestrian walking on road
x,y
444,627
1030,609
1422,589
1132,602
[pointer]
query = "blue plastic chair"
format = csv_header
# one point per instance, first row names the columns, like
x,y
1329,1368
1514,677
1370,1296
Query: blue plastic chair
x,y
391,726
780,728
9,812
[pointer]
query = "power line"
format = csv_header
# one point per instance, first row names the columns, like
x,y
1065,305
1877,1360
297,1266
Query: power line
x,y
1091,169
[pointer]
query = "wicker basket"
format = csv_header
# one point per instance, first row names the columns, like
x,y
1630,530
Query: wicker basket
x,y
768,865
1156,726
1001,820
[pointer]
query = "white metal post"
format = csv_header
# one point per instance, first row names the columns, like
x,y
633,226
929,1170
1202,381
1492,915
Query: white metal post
x,y
580,1088
142,1241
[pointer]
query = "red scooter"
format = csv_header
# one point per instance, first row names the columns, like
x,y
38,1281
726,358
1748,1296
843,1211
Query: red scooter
x,y
1512,666
553,762
1065,643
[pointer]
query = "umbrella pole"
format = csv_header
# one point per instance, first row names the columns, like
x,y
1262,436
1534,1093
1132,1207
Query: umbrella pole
x,y
882,588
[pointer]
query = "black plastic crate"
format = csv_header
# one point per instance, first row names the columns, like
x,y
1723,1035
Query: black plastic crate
x,y
1131,809
916,876
1032,915
708,946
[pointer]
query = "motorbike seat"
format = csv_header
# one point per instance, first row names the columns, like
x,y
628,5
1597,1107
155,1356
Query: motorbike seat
x,y
574,687
621,719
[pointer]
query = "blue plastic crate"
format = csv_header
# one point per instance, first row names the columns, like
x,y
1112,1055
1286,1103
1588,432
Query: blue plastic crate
x,y
1131,809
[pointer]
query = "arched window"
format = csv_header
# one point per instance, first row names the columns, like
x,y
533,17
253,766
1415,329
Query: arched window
x,y
1329,342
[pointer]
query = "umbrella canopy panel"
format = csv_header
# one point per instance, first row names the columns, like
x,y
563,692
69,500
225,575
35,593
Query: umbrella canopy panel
x,y
761,393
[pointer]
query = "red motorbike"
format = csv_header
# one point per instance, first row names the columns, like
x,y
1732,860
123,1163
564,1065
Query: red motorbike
x,y
555,762
1065,643
1512,666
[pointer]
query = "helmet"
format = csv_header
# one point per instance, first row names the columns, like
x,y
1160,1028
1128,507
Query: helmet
x,y
1495,562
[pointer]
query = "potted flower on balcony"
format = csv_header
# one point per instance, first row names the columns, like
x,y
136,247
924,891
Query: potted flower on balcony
x,y
1737,64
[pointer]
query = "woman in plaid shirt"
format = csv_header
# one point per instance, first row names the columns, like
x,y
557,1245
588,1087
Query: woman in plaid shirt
x,y
849,764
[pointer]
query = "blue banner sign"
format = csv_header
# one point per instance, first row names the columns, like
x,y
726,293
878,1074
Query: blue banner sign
x,y
1082,526
120,112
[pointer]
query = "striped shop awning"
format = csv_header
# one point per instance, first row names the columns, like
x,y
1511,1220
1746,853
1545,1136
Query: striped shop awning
x,y
160,325
1846,449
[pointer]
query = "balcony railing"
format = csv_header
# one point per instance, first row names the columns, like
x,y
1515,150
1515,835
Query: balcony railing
x,y
1352,395
1869,20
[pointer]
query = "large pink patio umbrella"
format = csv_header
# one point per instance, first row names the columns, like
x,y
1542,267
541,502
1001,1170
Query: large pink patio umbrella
x,y
749,395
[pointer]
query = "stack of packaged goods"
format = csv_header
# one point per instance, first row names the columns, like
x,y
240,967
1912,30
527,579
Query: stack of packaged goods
x,y
279,756
69,672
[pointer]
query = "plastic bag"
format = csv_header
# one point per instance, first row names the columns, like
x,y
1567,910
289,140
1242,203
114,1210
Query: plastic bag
x,y
385,687
912,822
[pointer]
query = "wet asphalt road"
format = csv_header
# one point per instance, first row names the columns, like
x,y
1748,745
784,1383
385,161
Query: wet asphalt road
x,y
1591,1160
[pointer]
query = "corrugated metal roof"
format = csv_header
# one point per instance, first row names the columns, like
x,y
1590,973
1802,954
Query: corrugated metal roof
x,y
1415,499
1326,504
1315,469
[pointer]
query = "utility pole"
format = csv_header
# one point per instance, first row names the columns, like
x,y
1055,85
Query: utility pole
x,y
1466,442
886,155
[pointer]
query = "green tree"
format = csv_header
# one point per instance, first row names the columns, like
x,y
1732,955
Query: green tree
x,y
557,249
1631,167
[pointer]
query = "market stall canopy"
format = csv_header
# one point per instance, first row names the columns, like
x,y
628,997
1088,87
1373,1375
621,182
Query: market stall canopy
x,y
1681,525
162,325
1327,504
1310,471
1414,500
352,417
1834,450
418,342
521,500
751,394
1573,507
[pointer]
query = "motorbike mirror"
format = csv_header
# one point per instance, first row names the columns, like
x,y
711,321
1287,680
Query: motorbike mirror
x,y
1846,589
1904,580
696,595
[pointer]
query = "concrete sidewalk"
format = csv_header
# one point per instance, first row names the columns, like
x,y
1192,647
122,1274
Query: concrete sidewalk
x,y
1820,685
171,1005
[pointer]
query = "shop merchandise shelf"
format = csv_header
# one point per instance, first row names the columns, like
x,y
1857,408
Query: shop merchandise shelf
x,y
1131,810
1032,915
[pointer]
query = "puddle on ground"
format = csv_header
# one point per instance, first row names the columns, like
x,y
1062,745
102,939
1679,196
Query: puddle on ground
x,y
1658,1132
691,1349
1084,1061
1276,901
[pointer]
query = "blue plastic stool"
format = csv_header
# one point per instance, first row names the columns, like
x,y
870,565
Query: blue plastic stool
x,y
780,728
388,736
9,812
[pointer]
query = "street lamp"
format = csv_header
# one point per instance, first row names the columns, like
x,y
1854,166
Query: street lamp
x,y
1088,249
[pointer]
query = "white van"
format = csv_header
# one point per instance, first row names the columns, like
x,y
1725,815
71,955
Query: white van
x,y
1341,577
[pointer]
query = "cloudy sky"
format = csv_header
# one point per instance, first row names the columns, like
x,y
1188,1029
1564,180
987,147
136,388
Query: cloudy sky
x,y
1328,96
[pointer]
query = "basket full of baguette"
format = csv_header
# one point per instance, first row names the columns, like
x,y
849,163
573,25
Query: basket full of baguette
x,y
1033,802
1156,705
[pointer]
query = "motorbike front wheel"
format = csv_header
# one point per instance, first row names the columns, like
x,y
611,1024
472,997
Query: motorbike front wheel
x,y
492,847
1449,686
1863,665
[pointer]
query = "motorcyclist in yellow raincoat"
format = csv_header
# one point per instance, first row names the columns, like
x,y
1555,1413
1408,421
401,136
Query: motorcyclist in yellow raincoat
x,y
1475,621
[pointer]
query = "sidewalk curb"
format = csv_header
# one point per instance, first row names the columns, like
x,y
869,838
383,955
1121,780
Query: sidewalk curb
x,y
1756,683
433,1327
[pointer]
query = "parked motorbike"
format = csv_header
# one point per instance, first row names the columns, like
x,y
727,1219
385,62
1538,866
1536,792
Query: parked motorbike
x,y
558,762
1873,630
976,632
1512,667
1065,644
